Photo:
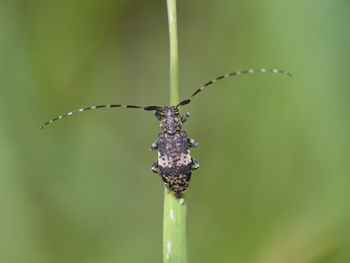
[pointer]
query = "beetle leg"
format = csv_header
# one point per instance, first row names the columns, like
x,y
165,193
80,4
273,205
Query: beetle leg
x,y
154,146
195,165
192,143
155,168
158,115
185,117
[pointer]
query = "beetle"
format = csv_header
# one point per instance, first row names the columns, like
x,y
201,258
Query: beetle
x,y
174,163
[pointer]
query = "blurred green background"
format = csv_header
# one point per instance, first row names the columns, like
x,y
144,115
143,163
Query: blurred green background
x,y
273,186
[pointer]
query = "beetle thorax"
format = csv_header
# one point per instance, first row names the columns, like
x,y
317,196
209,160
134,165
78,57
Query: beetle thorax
x,y
171,121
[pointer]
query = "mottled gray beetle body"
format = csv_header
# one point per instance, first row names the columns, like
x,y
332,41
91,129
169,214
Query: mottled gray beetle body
x,y
174,159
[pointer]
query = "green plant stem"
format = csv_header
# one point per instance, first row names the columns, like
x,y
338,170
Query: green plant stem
x,y
174,61
174,229
174,217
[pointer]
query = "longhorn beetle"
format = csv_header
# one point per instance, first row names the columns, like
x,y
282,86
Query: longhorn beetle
x,y
174,163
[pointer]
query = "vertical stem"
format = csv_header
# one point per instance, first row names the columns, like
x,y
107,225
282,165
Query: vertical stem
x,y
174,229
174,218
174,62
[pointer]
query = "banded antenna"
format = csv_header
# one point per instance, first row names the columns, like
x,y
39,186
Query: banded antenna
x,y
250,71
147,108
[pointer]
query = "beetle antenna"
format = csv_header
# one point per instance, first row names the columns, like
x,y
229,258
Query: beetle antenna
x,y
187,101
147,108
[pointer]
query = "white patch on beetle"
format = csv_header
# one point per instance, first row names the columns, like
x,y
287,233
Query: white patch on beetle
x,y
168,161
172,216
181,201
185,158
169,249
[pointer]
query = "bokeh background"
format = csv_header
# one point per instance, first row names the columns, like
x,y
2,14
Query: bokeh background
x,y
273,186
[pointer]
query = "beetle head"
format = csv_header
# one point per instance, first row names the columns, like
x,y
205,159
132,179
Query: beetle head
x,y
170,120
